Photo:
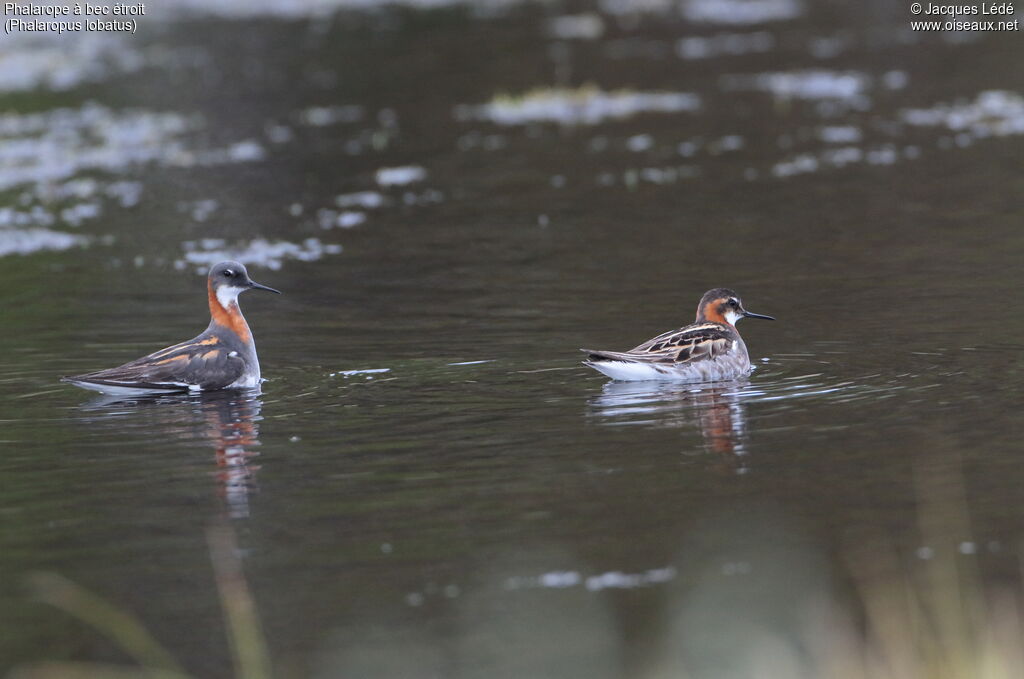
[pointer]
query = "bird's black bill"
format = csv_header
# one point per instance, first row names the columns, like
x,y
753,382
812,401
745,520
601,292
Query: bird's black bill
x,y
747,314
258,286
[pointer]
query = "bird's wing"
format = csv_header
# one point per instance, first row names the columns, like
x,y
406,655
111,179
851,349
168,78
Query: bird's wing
x,y
202,362
691,344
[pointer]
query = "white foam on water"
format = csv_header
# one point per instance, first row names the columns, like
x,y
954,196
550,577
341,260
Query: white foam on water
x,y
593,583
202,254
44,148
992,113
583,106
400,176
427,197
586,26
80,212
368,200
630,7
245,151
301,9
619,580
828,47
365,371
724,44
741,12
477,140
52,146
633,177
126,193
35,216
199,210
806,163
27,241
895,80
345,219
800,164
323,116
730,142
842,156
839,134
807,84
639,142
60,62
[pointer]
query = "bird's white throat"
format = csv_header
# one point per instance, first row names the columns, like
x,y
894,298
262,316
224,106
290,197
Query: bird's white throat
x,y
733,316
228,295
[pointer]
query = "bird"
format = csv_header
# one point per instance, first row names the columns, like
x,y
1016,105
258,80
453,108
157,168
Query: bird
x,y
222,357
707,350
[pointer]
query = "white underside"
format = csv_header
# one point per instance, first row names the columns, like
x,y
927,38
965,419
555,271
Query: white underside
x,y
705,371
247,381
251,376
250,379
130,391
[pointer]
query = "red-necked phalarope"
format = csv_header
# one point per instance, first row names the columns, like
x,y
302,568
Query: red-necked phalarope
x,y
222,357
708,349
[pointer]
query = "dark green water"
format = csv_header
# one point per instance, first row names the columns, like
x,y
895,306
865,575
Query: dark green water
x,y
430,485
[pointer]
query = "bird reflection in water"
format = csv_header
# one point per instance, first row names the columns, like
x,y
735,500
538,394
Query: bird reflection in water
x,y
717,408
227,419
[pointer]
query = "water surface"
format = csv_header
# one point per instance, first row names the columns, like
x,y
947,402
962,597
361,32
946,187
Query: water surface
x,y
453,201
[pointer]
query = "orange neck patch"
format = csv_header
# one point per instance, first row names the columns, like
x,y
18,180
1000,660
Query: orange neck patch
x,y
229,318
712,312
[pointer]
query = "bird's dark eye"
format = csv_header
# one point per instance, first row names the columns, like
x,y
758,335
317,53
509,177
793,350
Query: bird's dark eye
x,y
734,304
228,273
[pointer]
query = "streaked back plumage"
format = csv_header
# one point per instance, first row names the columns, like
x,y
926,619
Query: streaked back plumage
x,y
709,349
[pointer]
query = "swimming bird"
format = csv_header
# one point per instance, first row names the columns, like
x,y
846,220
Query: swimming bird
x,y
222,357
707,350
